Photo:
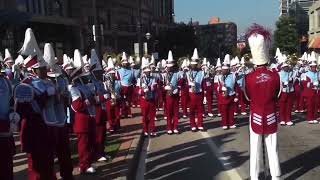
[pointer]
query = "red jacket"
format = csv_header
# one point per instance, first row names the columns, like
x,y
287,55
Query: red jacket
x,y
262,88
83,122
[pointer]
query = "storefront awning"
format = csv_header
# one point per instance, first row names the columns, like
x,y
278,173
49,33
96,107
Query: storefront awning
x,y
314,43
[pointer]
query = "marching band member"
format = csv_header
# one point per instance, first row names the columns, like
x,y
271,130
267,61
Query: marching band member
x,y
286,101
184,88
171,87
113,86
196,85
208,86
8,61
101,96
127,82
297,85
311,85
148,85
59,129
262,88
227,95
241,73
137,74
83,104
217,78
34,102
6,139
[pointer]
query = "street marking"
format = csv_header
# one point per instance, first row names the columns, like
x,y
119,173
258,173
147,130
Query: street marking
x,y
232,173
170,174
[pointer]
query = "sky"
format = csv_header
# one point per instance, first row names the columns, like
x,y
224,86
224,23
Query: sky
x,y
241,12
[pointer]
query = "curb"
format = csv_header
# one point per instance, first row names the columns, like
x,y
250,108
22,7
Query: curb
x,y
134,157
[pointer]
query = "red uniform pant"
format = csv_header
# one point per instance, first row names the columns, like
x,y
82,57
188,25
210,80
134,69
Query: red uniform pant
x,y
227,114
135,96
160,98
113,114
196,107
209,97
298,100
86,147
7,150
172,112
101,119
285,104
126,92
184,101
311,108
215,88
148,110
60,141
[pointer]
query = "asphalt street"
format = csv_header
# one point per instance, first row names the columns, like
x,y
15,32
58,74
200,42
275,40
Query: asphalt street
x,y
224,154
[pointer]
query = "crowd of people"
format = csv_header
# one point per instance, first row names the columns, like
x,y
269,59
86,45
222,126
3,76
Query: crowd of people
x,y
41,97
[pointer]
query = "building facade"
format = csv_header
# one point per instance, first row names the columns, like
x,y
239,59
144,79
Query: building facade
x,y
314,26
68,24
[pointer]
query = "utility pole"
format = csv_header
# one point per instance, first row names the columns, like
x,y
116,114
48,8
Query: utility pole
x,y
96,28
139,29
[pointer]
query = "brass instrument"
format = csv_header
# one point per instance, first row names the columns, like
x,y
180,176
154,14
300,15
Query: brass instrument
x,y
109,84
168,84
192,82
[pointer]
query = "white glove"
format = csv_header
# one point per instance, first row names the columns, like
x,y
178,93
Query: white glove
x,y
87,102
224,88
168,88
106,96
286,83
315,83
175,91
191,84
236,100
69,87
145,90
308,84
51,91
290,79
97,99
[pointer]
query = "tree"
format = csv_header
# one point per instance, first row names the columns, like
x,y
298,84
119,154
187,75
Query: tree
x,y
286,35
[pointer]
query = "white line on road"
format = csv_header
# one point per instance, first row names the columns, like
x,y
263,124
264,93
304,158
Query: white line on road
x,y
232,173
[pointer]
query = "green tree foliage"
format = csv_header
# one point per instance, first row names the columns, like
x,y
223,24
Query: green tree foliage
x,y
286,36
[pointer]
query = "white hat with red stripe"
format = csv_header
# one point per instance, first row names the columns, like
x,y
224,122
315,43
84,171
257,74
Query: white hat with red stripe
x,y
67,63
170,61
7,56
31,49
195,57
110,66
124,59
50,59
145,65
77,64
226,62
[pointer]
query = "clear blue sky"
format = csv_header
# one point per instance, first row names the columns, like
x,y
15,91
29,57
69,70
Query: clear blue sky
x,y
241,12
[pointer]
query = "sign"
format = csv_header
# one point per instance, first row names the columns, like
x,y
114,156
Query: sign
x,y
145,48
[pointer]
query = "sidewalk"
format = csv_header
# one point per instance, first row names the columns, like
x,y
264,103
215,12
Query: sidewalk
x,y
122,165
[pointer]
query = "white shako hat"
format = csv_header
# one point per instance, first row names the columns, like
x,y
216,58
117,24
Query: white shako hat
x,y
7,56
131,61
124,58
204,62
170,61
284,60
145,65
218,64
49,57
237,61
19,60
67,63
163,63
77,64
31,49
312,59
110,66
233,62
278,53
258,38
152,62
304,57
195,57
94,61
226,62
242,62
